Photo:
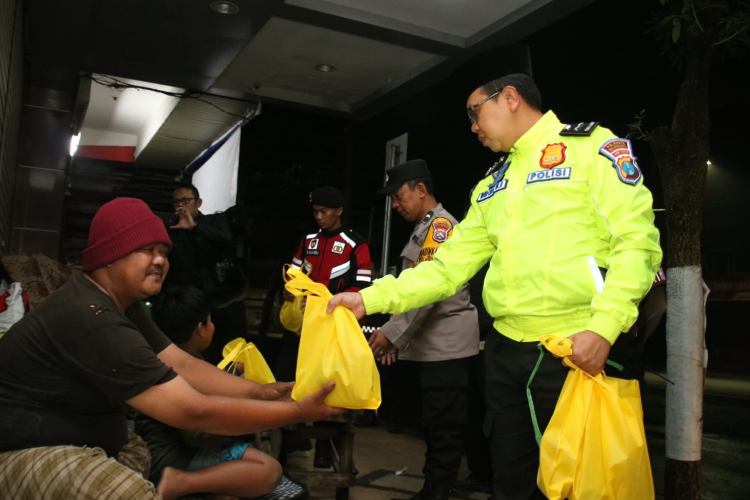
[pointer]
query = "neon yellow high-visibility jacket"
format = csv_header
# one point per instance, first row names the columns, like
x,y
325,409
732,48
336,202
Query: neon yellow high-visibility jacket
x,y
565,207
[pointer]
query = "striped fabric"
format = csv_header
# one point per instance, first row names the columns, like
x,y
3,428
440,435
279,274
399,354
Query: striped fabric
x,y
364,275
69,472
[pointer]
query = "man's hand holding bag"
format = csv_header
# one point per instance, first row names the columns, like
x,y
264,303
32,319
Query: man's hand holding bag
x,y
595,444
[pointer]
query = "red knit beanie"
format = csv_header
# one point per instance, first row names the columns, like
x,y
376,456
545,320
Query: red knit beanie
x,y
120,227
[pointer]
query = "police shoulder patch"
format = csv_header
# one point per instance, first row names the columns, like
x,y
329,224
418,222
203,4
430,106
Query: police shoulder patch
x,y
621,153
579,129
441,229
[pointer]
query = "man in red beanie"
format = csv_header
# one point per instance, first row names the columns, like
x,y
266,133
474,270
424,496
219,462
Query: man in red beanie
x,y
70,368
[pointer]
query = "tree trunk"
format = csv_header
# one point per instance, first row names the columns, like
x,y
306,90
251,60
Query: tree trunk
x,y
682,155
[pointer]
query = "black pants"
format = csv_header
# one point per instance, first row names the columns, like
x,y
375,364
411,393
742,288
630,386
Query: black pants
x,y
515,453
478,457
443,385
230,323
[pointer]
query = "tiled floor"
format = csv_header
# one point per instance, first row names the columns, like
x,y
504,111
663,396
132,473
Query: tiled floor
x,y
389,465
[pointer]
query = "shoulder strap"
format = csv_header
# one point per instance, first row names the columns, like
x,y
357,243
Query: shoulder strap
x,y
583,129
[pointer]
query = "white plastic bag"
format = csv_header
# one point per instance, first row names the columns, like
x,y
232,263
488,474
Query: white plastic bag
x,y
13,304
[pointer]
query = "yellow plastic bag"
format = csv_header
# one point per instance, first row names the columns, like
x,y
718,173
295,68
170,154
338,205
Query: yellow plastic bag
x,y
332,347
594,446
256,368
291,313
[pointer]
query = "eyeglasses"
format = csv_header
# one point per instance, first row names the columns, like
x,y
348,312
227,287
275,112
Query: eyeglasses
x,y
471,110
182,201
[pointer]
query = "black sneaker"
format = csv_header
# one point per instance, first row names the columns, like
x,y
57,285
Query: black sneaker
x,y
431,491
473,482
287,490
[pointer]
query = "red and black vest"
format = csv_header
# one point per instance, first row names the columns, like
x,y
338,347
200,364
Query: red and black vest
x,y
339,259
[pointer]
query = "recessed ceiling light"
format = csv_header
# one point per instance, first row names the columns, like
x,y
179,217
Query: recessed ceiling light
x,y
223,7
325,68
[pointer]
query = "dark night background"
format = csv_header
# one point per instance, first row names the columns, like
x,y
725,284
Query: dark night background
x,y
597,64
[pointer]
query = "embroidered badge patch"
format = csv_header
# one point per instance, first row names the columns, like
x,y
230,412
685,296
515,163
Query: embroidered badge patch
x,y
313,244
441,230
338,247
623,159
548,175
492,190
552,155
498,183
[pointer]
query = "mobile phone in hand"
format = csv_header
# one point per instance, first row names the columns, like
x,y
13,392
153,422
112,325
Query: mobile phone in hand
x,y
169,219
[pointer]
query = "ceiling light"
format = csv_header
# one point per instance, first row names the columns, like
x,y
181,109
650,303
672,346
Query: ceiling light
x,y
223,7
325,68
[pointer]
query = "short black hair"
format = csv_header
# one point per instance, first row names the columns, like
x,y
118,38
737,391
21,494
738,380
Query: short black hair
x,y
523,83
192,188
177,310
427,181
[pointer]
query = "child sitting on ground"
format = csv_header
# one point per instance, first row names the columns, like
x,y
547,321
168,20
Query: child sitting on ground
x,y
192,462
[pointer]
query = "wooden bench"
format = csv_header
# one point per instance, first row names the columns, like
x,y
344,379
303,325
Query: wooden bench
x,y
340,431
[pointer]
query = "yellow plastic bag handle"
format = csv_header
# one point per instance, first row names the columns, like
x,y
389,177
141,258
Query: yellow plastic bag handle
x,y
563,347
239,351
285,272
231,352
559,346
301,284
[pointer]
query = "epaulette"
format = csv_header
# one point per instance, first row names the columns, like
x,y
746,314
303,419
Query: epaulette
x,y
580,129
428,217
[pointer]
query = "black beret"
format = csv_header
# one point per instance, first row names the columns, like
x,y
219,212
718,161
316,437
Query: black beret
x,y
327,196
396,176
495,63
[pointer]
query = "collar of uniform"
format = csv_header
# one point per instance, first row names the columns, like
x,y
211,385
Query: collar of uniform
x,y
331,234
538,131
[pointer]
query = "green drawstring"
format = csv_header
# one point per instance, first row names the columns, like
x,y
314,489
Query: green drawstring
x,y
618,366
537,432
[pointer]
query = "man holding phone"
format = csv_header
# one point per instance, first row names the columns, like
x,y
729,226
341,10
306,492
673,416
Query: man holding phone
x,y
198,243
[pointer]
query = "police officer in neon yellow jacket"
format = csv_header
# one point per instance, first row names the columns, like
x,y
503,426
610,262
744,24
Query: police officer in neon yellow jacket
x,y
567,227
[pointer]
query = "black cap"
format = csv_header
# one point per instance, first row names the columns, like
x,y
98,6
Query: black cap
x,y
396,176
495,63
327,196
